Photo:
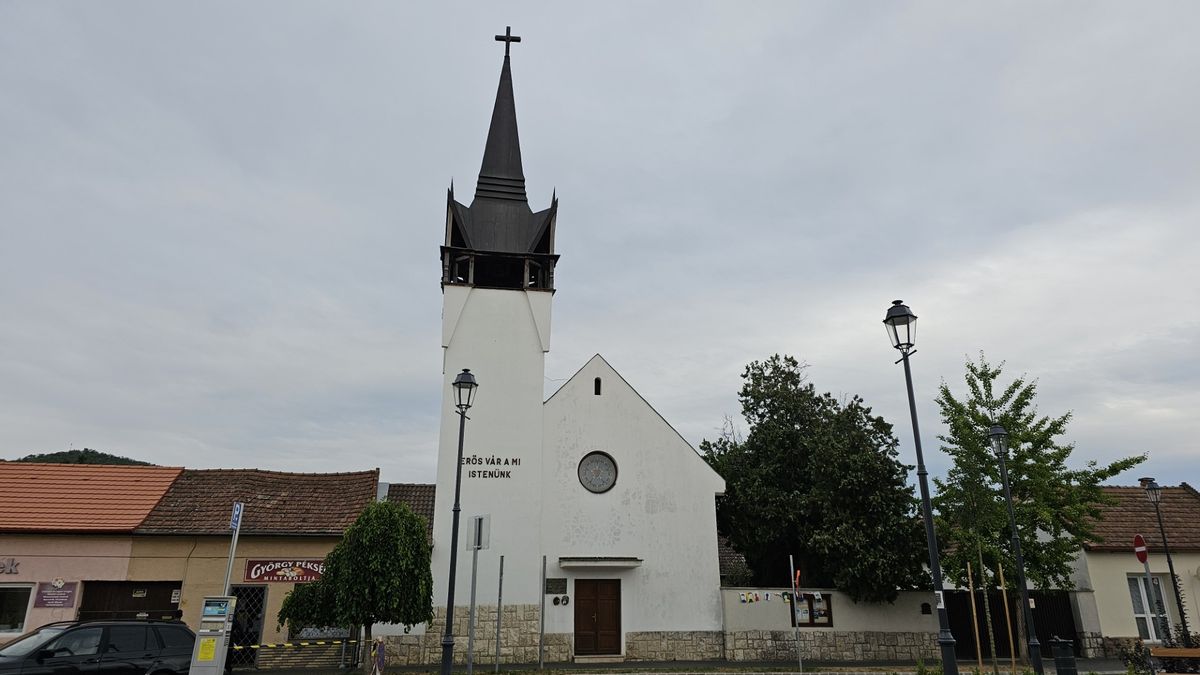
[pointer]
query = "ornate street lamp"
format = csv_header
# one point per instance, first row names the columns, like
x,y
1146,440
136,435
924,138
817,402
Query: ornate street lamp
x,y
464,392
1154,494
999,440
902,331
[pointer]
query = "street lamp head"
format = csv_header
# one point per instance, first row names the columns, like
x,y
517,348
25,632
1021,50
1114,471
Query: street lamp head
x,y
901,326
998,438
1152,488
464,389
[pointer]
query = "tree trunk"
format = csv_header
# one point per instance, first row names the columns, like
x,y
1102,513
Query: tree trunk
x,y
987,612
366,662
1022,638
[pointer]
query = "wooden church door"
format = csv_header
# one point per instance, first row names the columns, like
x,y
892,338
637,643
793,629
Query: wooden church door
x,y
597,616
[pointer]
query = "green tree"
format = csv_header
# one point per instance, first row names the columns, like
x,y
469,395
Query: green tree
x,y
379,572
817,478
84,456
1055,505
310,604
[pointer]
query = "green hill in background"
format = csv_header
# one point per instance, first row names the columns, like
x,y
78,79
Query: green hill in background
x,y
85,456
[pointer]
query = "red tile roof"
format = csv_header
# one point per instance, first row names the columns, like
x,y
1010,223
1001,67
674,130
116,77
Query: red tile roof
x,y
416,496
37,497
1132,513
293,504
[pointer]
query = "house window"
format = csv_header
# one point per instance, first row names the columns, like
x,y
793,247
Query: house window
x,y
14,605
812,609
596,386
1146,604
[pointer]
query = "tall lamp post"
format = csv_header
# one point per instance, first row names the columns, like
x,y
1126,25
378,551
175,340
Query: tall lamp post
x,y
1154,494
903,333
999,440
464,390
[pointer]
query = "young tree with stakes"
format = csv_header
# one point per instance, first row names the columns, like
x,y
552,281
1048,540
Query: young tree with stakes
x,y
1054,505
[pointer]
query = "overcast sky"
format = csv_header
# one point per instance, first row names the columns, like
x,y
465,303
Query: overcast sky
x,y
219,222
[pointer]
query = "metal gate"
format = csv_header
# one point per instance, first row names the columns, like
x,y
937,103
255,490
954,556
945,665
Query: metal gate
x,y
1052,617
247,623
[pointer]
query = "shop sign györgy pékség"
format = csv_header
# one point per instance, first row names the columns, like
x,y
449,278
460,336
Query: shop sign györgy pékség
x,y
284,571
57,593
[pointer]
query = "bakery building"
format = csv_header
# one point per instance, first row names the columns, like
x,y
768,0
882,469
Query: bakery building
x,y
290,523
89,541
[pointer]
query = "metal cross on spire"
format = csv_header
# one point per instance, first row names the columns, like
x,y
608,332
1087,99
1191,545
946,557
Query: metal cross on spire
x,y
508,38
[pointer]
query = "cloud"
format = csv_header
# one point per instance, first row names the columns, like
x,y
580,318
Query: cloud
x,y
218,242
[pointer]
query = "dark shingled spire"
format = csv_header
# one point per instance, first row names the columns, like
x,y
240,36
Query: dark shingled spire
x,y
501,176
498,241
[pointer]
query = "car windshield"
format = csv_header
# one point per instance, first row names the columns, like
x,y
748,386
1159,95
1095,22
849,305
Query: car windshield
x,y
27,644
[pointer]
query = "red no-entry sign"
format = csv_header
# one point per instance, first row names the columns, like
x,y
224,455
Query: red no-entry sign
x,y
1139,547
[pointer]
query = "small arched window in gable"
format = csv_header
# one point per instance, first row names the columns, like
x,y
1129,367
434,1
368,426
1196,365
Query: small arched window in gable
x,y
597,386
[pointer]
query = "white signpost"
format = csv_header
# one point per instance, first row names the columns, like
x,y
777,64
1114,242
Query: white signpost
x,y
1139,550
795,581
480,534
235,524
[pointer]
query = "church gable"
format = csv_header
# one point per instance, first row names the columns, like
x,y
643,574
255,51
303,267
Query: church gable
x,y
601,406
626,498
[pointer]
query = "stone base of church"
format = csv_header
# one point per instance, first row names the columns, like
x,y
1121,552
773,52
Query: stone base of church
x,y
519,643
780,645
675,646
519,628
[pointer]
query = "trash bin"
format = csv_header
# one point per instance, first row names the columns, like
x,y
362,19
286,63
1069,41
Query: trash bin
x,y
1064,656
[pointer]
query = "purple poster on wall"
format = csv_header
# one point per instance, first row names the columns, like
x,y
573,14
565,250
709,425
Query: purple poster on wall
x,y
57,593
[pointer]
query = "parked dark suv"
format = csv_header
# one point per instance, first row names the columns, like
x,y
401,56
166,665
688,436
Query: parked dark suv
x,y
108,647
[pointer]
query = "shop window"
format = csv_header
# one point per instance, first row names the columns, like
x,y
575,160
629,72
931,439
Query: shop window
x,y
14,604
812,609
1147,603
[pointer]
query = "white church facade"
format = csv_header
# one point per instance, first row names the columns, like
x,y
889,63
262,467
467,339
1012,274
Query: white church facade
x,y
592,480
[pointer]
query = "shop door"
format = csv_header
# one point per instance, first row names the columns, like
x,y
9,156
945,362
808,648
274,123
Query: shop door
x,y
247,623
597,617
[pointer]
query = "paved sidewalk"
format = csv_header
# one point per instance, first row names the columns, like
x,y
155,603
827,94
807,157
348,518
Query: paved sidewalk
x,y
1083,666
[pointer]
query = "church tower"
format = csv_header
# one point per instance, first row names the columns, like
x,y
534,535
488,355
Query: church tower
x,y
497,284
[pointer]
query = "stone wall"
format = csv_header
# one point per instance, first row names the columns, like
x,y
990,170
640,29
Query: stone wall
x,y
303,656
519,629
1092,646
780,645
519,643
675,646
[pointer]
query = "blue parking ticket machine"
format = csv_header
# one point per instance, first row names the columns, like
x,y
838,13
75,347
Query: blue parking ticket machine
x,y
212,638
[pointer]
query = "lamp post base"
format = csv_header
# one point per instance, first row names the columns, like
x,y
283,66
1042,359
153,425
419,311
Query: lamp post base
x,y
1035,655
447,655
947,643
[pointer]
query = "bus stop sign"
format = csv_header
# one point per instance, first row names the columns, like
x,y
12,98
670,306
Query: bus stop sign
x,y
1139,547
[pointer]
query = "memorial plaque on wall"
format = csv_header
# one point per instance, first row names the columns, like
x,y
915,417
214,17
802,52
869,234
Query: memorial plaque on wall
x,y
556,585
55,594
